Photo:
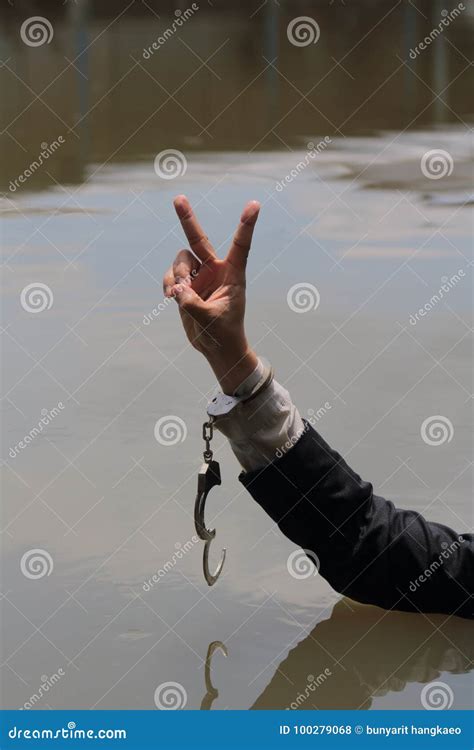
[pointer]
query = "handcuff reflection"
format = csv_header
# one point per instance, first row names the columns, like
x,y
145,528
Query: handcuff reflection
x,y
359,655
212,692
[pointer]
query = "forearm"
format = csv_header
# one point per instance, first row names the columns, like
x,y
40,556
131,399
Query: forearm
x,y
367,549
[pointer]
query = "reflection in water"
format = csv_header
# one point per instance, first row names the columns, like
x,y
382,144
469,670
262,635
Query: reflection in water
x,y
212,692
361,653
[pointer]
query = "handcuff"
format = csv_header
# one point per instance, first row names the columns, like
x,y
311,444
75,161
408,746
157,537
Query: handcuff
x,y
210,473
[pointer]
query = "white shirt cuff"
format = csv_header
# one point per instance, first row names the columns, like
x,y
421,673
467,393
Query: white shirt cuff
x,y
263,429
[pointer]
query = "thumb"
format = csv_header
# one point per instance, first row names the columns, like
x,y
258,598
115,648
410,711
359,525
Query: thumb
x,y
191,303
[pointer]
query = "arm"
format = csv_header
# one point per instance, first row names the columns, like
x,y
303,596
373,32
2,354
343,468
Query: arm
x,y
367,549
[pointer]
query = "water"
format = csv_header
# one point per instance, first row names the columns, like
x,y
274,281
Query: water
x,y
110,505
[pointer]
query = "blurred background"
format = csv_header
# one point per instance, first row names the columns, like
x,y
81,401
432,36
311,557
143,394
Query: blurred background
x,y
355,133
217,85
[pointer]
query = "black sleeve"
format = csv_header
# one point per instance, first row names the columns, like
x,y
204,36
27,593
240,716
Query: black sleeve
x,y
366,548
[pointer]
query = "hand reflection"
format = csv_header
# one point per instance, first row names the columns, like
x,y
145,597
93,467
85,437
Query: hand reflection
x,y
362,652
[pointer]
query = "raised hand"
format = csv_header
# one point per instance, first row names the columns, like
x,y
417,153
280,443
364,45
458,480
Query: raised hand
x,y
211,295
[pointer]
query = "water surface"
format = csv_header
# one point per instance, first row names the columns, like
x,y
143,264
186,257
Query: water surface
x,y
110,504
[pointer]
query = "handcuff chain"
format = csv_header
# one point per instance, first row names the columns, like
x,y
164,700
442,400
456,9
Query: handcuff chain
x,y
207,435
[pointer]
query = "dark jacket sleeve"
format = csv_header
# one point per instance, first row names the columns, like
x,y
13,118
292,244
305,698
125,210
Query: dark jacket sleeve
x,y
366,548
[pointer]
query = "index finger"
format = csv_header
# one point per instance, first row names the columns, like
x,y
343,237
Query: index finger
x,y
240,247
197,238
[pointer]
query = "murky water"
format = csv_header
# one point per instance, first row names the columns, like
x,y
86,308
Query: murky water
x,y
109,504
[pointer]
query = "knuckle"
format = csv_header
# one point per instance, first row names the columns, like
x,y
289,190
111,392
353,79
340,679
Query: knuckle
x,y
241,243
198,239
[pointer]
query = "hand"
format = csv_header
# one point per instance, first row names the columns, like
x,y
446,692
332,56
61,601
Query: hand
x,y
210,293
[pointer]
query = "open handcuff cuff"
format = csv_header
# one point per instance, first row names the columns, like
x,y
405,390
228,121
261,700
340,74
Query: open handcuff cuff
x,y
210,474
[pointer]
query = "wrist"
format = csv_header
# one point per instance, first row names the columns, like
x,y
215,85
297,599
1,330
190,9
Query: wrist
x,y
232,366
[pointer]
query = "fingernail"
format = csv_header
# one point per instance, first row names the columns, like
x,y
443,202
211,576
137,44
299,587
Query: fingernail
x,y
180,205
251,211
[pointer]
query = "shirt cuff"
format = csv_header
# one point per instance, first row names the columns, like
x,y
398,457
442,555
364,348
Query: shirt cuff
x,y
264,428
